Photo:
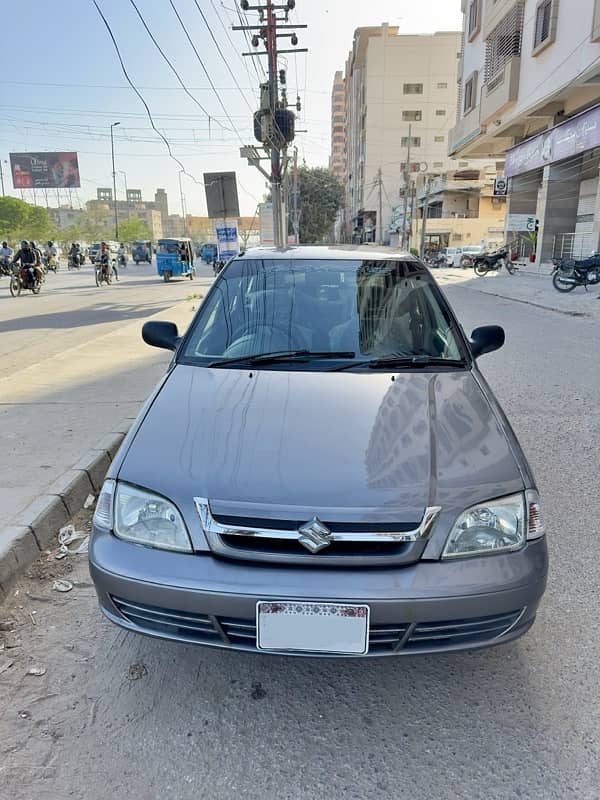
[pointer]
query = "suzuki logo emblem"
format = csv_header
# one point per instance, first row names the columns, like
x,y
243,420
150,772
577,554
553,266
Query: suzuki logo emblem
x,y
314,535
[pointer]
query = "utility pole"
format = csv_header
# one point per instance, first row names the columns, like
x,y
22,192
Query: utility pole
x,y
183,214
2,178
273,123
295,208
380,208
406,179
114,176
425,213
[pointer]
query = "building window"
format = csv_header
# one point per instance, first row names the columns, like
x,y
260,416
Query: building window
x,y
414,167
470,93
464,164
412,116
474,18
413,88
439,139
415,141
438,164
504,42
440,112
546,14
442,86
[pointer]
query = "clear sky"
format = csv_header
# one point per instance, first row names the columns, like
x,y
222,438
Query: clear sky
x,y
69,87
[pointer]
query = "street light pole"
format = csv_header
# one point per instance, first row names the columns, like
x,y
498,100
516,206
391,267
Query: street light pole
x,y
182,204
124,174
114,175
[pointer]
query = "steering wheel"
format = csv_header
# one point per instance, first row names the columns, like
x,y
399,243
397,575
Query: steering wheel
x,y
242,335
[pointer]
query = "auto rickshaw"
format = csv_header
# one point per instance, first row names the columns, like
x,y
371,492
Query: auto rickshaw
x,y
141,251
175,259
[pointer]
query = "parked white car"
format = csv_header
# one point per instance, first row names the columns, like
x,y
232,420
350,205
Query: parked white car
x,y
462,256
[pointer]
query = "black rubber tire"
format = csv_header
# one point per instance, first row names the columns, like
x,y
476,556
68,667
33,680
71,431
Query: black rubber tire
x,y
481,270
15,286
510,268
563,288
97,276
36,288
166,277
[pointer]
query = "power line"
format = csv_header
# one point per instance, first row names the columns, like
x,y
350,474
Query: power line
x,y
139,94
235,80
190,40
166,58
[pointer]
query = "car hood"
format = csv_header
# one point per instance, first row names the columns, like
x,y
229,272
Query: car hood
x,y
353,447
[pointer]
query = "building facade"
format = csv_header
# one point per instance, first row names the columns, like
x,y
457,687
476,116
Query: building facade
x,y
529,94
461,209
400,106
337,160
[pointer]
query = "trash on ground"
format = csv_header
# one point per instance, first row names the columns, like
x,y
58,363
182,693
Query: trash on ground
x,y
7,624
89,501
257,691
67,536
136,671
62,586
37,671
5,666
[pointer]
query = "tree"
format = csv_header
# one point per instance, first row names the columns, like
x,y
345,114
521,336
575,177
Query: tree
x,y
321,197
134,228
21,220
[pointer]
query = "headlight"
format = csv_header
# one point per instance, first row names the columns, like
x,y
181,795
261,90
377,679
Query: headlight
x,y
142,517
494,527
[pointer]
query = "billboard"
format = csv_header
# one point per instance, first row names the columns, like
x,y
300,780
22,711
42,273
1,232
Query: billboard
x,y
45,170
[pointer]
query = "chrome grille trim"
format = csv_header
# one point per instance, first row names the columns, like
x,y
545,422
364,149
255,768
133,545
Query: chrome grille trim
x,y
215,532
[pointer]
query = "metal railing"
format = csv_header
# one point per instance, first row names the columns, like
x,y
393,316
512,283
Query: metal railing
x,y
574,245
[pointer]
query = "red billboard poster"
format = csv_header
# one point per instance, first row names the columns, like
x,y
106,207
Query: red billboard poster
x,y
45,170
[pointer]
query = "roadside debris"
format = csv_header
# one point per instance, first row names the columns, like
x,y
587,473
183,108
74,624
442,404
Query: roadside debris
x,y
89,501
136,671
37,671
5,666
62,586
67,536
258,693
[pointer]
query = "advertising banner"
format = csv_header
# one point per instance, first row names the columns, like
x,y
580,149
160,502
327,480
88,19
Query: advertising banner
x,y
45,170
227,239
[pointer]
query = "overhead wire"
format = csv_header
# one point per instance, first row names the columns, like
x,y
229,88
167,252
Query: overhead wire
x,y
210,80
170,63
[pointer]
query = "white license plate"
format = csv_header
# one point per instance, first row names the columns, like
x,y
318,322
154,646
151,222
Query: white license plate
x,y
312,627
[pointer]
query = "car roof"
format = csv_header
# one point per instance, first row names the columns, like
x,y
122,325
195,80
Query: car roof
x,y
322,252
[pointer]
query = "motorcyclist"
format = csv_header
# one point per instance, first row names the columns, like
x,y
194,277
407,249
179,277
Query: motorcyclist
x,y
29,263
104,260
50,254
5,257
38,254
122,253
74,254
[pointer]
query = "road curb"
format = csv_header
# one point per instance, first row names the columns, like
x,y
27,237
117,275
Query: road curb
x,y
35,529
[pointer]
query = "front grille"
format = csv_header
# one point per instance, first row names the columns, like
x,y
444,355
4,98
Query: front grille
x,y
388,639
248,546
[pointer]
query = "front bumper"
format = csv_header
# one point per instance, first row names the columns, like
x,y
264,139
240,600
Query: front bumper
x,y
436,606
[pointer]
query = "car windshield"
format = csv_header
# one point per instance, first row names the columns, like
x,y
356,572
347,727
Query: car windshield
x,y
351,309
168,247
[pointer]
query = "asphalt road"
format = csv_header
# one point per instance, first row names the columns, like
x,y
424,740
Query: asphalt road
x,y
119,716
73,365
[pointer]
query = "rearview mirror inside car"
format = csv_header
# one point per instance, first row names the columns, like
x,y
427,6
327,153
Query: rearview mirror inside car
x,y
486,339
161,334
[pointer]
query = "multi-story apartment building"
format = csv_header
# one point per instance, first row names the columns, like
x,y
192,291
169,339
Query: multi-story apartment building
x,y
400,100
337,160
529,93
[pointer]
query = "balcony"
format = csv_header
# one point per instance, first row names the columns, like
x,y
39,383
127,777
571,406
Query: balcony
x,y
466,129
500,92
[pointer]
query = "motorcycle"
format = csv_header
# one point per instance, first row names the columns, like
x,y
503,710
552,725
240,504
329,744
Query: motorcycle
x,y
50,264
218,265
74,262
568,274
103,273
435,260
24,278
5,268
122,260
492,262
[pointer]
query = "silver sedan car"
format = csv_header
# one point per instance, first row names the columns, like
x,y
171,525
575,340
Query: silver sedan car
x,y
323,470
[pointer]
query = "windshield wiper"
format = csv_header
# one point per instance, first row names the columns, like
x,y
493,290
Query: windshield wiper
x,y
409,362
282,355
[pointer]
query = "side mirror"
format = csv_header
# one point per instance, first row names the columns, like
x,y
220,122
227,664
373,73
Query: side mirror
x,y
161,334
485,339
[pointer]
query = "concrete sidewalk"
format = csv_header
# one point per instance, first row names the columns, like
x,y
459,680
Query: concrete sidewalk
x,y
527,288
61,421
